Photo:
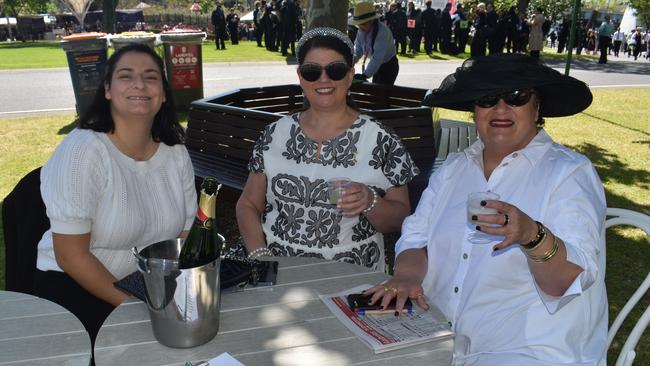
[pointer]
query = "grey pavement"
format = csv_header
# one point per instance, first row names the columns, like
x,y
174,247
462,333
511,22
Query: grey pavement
x,y
49,91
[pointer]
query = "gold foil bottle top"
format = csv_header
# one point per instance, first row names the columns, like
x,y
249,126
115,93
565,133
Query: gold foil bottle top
x,y
208,200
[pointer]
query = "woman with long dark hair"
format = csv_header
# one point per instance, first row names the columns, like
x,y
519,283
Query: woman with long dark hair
x,y
122,178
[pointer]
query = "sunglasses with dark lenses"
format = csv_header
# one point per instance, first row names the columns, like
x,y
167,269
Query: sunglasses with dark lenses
x,y
515,98
335,70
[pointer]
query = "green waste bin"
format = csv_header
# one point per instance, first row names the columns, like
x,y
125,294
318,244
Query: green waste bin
x,y
184,65
124,38
86,53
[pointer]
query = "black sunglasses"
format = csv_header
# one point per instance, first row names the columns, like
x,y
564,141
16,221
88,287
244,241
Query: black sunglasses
x,y
515,98
335,70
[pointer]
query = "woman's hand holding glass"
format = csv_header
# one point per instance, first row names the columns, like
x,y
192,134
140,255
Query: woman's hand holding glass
x,y
402,287
510,222
355,198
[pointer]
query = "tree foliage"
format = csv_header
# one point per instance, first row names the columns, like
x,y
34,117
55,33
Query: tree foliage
x,y
16,7
553,9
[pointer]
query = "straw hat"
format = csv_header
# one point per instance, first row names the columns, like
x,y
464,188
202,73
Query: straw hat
x,y
363,13
560,95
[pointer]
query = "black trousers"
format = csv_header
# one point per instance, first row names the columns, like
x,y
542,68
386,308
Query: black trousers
x,y
387,72
219,38
617,47
259,32
603,45
60,288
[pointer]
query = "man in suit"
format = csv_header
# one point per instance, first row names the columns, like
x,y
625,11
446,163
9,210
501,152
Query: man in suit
x,y
218,19
257,21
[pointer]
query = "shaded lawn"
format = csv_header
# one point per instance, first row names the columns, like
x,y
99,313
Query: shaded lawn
x,y
617,140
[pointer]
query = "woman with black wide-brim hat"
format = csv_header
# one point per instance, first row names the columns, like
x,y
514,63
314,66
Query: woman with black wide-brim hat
x,y
532,291
375,44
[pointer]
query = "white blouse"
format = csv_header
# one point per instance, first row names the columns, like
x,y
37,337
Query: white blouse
x,y
88,185
497,311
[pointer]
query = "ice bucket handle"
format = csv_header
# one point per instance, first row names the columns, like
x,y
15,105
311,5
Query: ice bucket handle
x,y
143,265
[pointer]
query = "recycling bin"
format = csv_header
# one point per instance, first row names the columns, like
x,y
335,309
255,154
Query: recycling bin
x,y
124,38
184,65
86,54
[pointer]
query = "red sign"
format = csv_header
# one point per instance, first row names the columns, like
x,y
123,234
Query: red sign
x,y
185,67
410,23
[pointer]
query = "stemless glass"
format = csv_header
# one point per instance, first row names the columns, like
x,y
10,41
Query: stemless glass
x,y
474,208
335,188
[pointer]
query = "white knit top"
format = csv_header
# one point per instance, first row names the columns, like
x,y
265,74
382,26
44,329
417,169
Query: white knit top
x,y
88,185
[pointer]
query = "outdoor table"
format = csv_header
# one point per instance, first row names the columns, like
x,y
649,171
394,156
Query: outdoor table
x,y
286,324
35,331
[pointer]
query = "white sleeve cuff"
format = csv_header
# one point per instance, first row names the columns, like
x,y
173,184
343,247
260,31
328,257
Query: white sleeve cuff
x,y
555,303
71,228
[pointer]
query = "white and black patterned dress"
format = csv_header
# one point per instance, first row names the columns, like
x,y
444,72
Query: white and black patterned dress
x,y
298,219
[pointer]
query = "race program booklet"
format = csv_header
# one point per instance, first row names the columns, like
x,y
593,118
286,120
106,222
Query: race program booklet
x,y
387,332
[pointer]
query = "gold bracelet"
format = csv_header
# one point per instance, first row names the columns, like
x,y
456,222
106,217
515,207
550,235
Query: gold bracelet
x,y
548,255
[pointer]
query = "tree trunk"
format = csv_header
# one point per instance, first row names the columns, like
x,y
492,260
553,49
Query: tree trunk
x,y
327,13
108,10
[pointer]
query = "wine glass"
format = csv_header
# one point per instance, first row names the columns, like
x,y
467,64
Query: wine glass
x,y
474,208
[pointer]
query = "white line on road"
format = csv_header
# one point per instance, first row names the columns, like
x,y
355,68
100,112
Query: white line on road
x,y
219,79
39,110
621,86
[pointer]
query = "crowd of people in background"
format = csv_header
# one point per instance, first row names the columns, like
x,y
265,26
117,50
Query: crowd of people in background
x,y
276,25
479,31
589,39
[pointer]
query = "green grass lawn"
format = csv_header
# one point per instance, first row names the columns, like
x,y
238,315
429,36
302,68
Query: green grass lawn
x,y
616,139
46,54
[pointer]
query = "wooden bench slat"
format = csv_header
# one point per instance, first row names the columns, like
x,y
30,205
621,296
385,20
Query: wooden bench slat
x,y
443,144
453,140
463,141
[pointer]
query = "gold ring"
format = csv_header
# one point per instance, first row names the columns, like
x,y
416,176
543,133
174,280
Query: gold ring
x,y
418,296
391,289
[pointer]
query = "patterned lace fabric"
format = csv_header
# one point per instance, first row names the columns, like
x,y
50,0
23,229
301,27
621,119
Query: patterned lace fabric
x,y
299,219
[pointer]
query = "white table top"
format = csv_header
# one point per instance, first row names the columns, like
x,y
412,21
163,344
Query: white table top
x,y
286,324
35,331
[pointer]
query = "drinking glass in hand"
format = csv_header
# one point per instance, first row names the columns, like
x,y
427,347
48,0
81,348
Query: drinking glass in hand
x,y
335,188
474,208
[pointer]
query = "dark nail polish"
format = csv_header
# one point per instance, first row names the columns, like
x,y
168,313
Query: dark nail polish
x,y
397,313
478,228
483,203
474,217
495,249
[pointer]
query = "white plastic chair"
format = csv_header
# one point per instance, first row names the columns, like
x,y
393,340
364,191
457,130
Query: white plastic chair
x,y
619,216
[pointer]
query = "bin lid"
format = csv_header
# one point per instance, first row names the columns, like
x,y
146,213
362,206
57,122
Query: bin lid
x,y
133,37
84,36
181,35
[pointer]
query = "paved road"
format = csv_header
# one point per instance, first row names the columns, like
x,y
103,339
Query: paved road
x,y
47,91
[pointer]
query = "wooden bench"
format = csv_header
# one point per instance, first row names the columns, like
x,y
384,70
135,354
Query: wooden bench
x,y
452,136
222,130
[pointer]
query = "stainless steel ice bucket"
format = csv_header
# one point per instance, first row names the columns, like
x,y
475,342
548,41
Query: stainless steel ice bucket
x,y
183,303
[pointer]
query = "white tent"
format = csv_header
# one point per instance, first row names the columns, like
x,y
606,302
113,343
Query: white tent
x,y
142,5
628,22
247,18
11,21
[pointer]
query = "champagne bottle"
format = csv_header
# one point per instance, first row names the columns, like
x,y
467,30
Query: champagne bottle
x,y
203,244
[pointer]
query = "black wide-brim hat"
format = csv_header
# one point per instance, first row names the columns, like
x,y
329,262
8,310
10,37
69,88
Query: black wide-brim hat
x,y
560,95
